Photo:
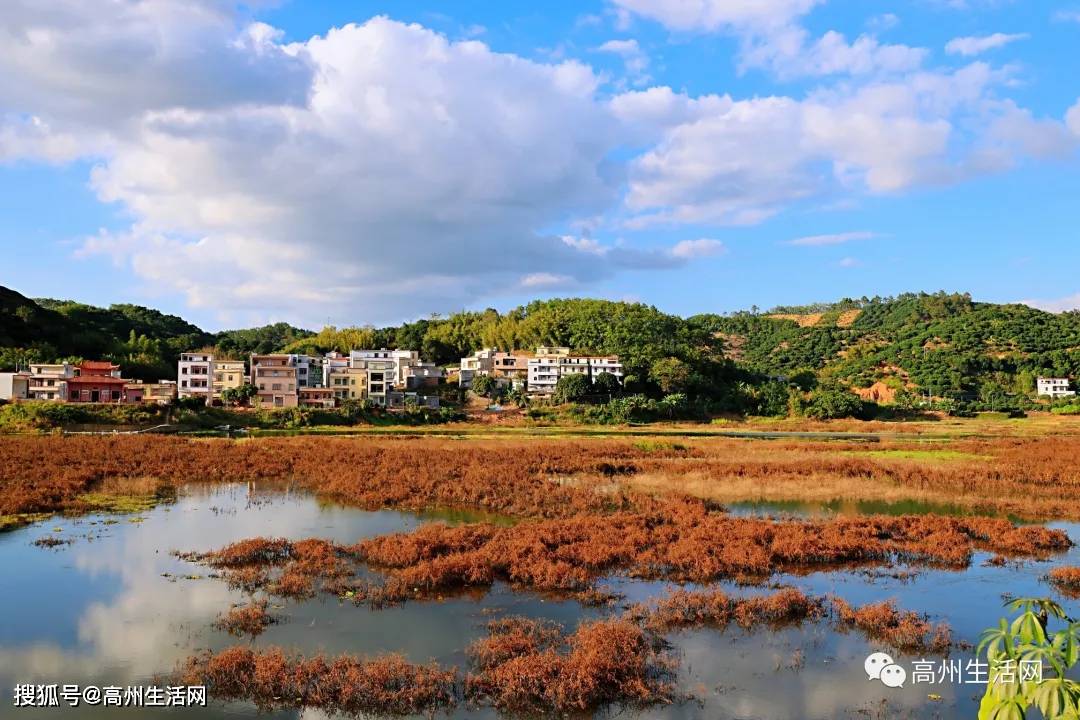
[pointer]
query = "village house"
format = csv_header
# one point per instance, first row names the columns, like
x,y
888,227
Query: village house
x,y
275,380
423,375
348,383
96,382
48,381
382,371
320,397
1053,387
552,363
309,370
512,367
228,375
163,392
195,373
14,386
332,361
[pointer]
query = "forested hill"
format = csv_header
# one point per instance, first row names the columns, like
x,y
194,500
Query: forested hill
x,y
145,341
946,343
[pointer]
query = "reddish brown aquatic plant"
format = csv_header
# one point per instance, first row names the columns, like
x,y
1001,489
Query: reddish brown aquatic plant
x,y
715,608
904,631
270,678
530,666
680,540
251,619
1066,579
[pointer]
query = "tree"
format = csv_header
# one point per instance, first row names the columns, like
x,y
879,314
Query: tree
x,y
606,384
484,386
239,395
833,403
572,388
671,374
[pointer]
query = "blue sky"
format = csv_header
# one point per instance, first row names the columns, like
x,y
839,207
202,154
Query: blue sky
x,y
364,162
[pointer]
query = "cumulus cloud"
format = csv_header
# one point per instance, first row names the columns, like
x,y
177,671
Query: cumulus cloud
x,y
791,55
381,170
1057,305
771,37
834,239
726,161
702,247
712,15
976,45
634,58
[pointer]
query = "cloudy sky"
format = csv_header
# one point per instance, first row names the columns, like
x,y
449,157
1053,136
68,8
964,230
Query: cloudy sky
x,y
350,162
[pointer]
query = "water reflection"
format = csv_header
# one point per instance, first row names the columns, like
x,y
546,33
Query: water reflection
x,y
114,608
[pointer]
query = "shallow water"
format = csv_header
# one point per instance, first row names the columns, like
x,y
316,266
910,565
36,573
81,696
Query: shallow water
x,y
101,611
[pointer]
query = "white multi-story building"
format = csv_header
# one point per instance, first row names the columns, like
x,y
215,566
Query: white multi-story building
x,y
332,362
14,386
550,364
48,381
195,376
381,369
1054,387
309,370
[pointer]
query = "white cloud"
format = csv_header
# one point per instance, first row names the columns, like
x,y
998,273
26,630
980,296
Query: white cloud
x,y
634,58
1063,304
834,239
404,152
712,15
1067,16
849,262
790,55
726,161
976,45
702,247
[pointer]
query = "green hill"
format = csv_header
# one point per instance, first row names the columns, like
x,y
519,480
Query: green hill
x,y
945,343
145,341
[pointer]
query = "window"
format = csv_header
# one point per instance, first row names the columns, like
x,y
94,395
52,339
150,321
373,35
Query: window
x,y
183,383
275,386
183,371
115,394
74,394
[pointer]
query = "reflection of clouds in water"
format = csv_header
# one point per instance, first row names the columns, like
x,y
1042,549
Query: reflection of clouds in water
x,y
41,663
738,671
151,623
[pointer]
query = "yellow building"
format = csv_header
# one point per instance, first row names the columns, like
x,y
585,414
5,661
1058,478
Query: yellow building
x,y
228,375
348,383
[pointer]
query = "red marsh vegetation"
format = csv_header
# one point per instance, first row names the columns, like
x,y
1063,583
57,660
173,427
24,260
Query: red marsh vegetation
x,y
251,619
530,666
682,540
1067,580
903,630
554,477
270,678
